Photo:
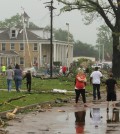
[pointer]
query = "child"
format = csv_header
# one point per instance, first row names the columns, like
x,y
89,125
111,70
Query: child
x,y
28,77
111,89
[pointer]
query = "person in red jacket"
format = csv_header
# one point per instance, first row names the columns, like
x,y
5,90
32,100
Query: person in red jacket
x,y
80,83
64,69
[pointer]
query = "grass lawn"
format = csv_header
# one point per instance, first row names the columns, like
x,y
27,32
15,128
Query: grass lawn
x,y
27,100
37,96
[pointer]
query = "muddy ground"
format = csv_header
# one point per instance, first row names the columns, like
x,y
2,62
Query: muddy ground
x,y
61,120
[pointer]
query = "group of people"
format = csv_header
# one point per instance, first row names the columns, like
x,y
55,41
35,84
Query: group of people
x,y
16,75
95,80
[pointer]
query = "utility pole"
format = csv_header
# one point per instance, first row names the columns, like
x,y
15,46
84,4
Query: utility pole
x,y
51,34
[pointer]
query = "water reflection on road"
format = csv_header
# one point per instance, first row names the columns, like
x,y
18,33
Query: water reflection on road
x,y
90,121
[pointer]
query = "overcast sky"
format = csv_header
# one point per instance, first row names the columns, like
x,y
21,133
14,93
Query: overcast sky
x,y
41,17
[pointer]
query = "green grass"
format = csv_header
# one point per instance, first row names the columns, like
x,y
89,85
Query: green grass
x,y
29,99
40,85
37,96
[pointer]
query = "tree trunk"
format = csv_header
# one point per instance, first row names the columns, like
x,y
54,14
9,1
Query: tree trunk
x,y
116,56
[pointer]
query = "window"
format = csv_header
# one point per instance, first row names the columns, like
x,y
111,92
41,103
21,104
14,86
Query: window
x,y
35,60
3,46
12,46
21,46
44,58
35,47
21,60
13,33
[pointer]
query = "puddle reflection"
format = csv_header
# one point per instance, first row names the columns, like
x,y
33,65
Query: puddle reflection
x,y
80,121
91,121
114,117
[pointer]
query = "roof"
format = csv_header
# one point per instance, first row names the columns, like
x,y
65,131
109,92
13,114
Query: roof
x,y
8,53
25,15
31,36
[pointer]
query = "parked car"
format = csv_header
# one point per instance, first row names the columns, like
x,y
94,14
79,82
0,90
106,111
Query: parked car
x,y
99,65
32,69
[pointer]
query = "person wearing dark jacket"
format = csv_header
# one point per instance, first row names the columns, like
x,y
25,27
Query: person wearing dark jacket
x,y
111,86
17,77
28,77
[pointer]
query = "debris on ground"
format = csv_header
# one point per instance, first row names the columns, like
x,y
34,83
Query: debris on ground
x,y
61,110
11,115
12,99
3,131
59,91
2,123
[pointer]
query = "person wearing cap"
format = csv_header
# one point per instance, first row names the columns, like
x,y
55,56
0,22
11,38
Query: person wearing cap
x,y
95,80
111,85
80,83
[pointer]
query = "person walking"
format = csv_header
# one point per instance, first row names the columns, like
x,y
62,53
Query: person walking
x,y
95,80
28,77
9,76
80,83
3,69
17,77
111,85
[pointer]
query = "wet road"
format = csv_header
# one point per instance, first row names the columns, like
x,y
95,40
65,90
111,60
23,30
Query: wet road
x,y
95,119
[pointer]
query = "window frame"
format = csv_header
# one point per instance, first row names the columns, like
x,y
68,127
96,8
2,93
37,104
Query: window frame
x,y
21,47
3,47
13,33
35,48
11,46
21,60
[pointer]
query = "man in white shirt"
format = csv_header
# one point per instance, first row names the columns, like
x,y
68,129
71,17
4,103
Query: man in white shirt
x,y
95,80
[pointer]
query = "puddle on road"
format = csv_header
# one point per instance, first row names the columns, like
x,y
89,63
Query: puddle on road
x,y
90,121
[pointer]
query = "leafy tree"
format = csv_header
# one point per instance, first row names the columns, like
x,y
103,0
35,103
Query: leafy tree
x,y
15,20
104,38
109,11
62,35
83,49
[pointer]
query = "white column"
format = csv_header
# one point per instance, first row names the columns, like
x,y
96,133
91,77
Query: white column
x,y
61,54
57,52
54,52
40,54
7,61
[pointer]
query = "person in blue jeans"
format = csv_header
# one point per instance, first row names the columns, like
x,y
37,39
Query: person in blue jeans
x,y
17,77
9,75
95,80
